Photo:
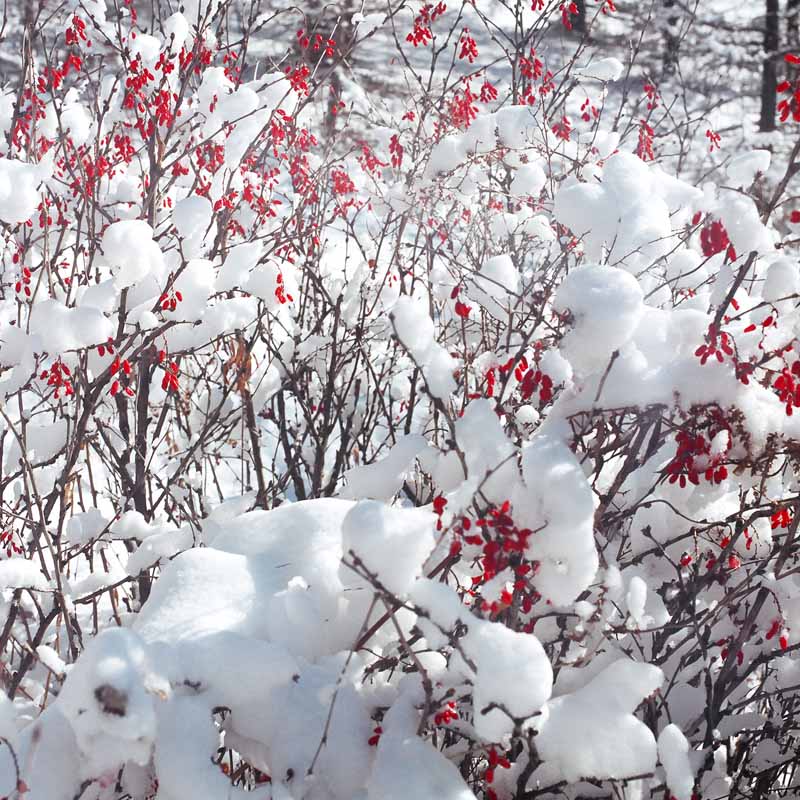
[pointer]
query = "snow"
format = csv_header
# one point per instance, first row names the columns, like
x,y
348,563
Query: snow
x,y
273,575
432,775
51,660
625,215
200,592
192,216
158,545
636,600
82,528
390,544
494,282
19,190
529,180
238,263
487,451
51,758
573,736
602,69
295,725
413,326
60,328
383,479
557,504
743,169
781,281
186,746
19,573
415,329
673,753
512,671
109,700
76,122
130,525
743,223
605,305
508,669
129,248
42,442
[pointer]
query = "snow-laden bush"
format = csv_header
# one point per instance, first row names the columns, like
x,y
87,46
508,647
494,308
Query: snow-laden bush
x,y
435,442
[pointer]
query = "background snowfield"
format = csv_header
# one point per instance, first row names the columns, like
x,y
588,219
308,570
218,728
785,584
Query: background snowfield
x,y
399,400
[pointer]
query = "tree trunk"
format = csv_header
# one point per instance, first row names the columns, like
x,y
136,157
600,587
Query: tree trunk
x,y
769,73
671,39
579,21
792,28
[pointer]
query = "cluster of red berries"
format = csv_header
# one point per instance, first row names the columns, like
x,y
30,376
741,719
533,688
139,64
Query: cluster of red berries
x,y
421,33
169,383
342,182
718,344
713,140
7,541
280,291
723,643
644,147
170,301
499,540
298,77
790,106
692,448
447,715
734,562
781,519
23,284
714,239
58,376
787,385
108,347
536,379
490,382
395,151
589,110
469,47
76,33
462,309
568,10
495,760
774,629
315,42
124,366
